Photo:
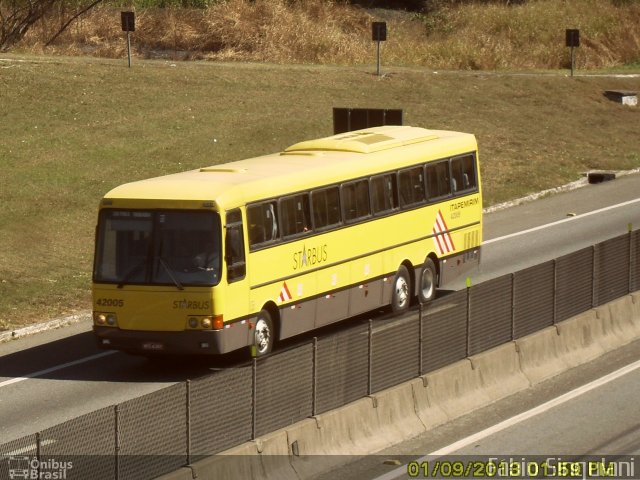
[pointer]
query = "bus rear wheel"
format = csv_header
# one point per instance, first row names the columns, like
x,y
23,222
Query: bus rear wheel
x,y
263,334
401,295
428,281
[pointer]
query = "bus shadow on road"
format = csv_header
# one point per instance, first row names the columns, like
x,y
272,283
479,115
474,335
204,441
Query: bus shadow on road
x,y
77,358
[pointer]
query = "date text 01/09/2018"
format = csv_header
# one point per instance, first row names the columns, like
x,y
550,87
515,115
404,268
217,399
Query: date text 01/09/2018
x,y
525,468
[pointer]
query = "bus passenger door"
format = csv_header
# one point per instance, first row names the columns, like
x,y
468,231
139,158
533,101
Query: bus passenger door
x,y
236,293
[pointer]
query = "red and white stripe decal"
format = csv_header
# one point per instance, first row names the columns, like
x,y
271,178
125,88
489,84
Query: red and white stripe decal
x,y
285,294
441,237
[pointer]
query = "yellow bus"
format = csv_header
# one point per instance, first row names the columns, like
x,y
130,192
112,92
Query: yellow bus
x,y
247,253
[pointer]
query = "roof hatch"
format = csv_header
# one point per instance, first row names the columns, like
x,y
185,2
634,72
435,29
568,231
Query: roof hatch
x,y
367,141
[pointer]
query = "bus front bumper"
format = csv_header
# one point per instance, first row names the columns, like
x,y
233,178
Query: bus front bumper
x,y
188,342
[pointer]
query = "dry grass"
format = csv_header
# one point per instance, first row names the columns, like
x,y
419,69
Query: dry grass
x,y
530,35
313,31
477,36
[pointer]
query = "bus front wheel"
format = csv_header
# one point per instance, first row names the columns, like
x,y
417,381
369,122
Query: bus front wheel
x,y
401,295
263,334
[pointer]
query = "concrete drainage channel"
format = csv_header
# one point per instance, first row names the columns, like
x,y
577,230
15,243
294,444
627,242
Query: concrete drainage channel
x,y
402,412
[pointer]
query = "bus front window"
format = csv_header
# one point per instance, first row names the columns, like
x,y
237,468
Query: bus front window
x,y
173,247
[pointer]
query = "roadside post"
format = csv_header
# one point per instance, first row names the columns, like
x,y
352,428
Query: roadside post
x,y
573,41
378,34
128,20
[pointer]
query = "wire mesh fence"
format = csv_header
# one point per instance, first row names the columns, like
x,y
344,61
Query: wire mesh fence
x,y
148,436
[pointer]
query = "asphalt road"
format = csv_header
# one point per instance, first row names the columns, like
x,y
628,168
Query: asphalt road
x,y
52,377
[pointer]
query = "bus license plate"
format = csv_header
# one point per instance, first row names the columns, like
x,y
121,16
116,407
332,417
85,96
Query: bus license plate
x,y
152,346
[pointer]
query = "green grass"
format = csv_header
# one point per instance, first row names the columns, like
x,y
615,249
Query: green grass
x,y
73,128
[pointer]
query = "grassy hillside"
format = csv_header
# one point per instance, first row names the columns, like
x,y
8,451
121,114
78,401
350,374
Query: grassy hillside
x,y
452,35
73,128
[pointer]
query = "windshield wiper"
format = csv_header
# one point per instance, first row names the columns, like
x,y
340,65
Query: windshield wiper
x,y
168,269
131,273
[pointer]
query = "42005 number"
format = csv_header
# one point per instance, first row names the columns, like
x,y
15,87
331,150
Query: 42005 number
x,y
110,302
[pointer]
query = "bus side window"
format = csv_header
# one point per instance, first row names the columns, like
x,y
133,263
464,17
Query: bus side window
x,y
355,200
384,193
325,205
411,186
263,224
295,218
438,181
234,244
463,173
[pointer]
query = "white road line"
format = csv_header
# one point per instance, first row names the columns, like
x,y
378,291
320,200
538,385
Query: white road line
x,y
564,220
57,367
402,471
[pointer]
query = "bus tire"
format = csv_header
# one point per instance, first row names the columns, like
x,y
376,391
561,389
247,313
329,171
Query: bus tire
x,y
428,281
401,295
263,334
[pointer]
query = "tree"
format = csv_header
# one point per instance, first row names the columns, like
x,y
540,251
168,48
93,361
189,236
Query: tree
x,y
18,16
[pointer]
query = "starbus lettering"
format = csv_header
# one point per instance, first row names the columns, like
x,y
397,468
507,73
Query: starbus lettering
x,y
308,257
190,305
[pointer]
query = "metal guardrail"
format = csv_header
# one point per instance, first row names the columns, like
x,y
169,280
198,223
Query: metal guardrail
x,y
155,434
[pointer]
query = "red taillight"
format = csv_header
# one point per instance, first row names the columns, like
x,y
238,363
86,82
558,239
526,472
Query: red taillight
x,y
218,322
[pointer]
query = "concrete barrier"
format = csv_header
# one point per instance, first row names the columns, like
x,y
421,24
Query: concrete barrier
x,y
332,439
635,313
603,331
500,372
367,425
539,355
396,411
623,318
579,338
348,430
456,389
430,414
265,457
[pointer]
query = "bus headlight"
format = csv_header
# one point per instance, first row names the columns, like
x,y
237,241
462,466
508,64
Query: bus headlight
x,y
199,323
105,319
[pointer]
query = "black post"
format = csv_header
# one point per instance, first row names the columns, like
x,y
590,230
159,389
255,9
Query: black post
x,y
128,20
116,413
370,357
38,447
572,40
188,420
631,257
254,369
594,277
378,34
513,306
555,291
468,316
314,383
420,343
129,48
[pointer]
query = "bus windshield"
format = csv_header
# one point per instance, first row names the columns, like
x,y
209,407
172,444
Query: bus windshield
x,y
159,247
